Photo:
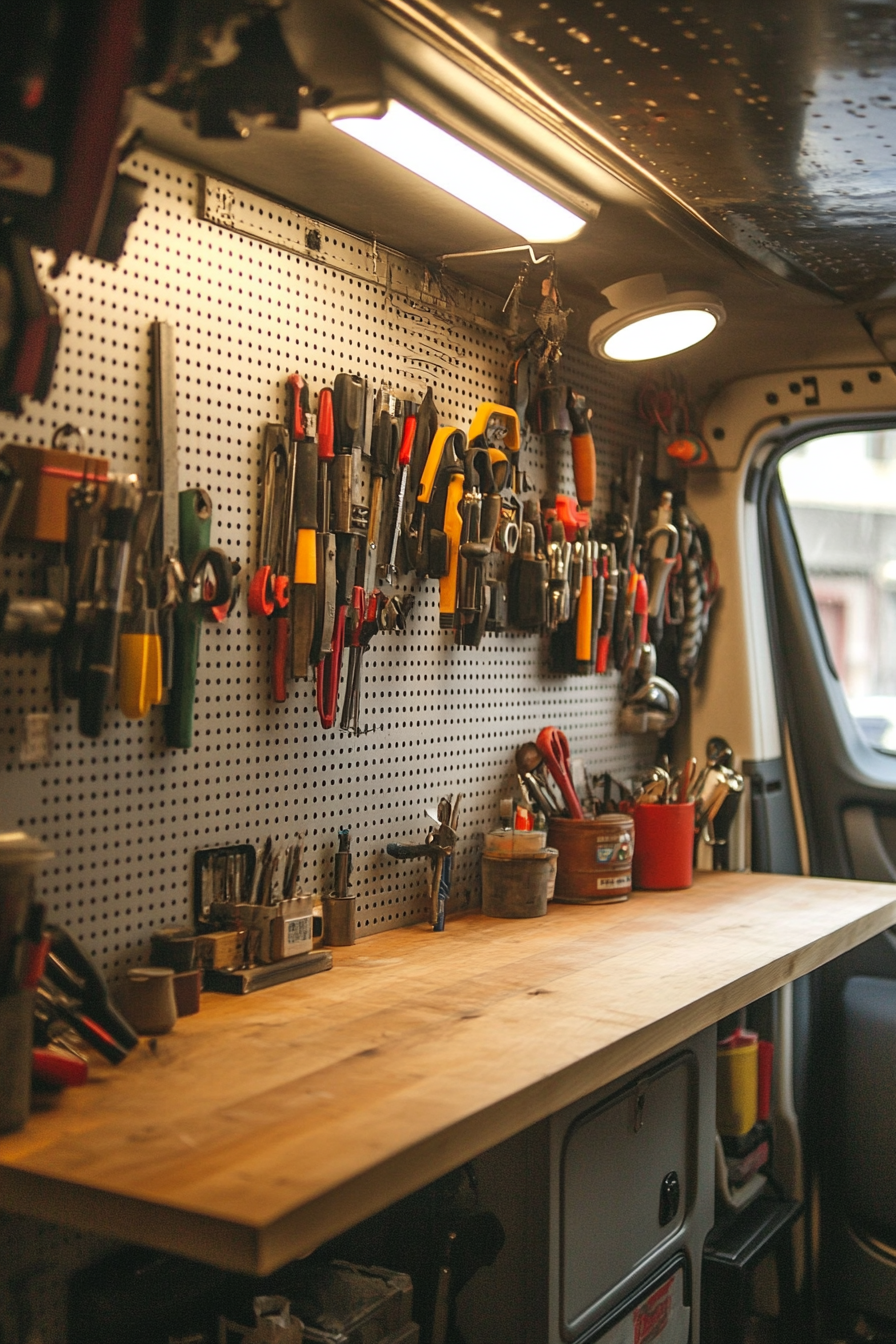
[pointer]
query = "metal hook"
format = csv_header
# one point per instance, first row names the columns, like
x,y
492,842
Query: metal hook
x,y
497,251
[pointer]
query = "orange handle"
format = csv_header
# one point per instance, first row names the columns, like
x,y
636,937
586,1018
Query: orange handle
x,y
584,614
260,598
584,466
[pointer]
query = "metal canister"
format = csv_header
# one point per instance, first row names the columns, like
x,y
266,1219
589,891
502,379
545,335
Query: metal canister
x,y
594,866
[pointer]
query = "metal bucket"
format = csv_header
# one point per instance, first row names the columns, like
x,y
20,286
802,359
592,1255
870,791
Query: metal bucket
x,y
595,858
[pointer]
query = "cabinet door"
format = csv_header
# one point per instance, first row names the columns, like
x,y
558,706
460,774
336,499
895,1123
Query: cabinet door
x,y
627,1178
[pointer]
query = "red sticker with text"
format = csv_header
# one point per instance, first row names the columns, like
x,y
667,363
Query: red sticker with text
x,y
652,1317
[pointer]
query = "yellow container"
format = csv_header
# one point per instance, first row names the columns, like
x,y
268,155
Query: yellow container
x,y
737,1084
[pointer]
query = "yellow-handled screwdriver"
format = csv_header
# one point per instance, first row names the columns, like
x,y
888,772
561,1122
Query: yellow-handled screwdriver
x,y
140,683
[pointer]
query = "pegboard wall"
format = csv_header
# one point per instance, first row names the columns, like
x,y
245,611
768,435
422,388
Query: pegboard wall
x,y
124,814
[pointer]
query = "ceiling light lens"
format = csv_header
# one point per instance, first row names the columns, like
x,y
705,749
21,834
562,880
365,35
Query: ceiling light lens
x,y
439,158
661,334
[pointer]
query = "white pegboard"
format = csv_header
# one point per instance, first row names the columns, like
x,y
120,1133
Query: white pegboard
x,y
124,814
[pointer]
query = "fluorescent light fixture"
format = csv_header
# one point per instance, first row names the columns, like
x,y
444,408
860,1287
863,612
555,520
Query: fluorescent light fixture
x,y
647,322
439,158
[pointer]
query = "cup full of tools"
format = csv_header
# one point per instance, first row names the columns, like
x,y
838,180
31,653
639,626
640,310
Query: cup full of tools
x,y
594,853
519,869
672,809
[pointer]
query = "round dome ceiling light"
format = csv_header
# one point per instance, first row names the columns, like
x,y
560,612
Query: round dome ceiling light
x,y
647,322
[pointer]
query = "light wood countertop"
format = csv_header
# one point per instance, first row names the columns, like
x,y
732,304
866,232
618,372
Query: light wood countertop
x,y
266,1124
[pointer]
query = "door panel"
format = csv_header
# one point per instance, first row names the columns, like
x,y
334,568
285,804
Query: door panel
x,y
848,795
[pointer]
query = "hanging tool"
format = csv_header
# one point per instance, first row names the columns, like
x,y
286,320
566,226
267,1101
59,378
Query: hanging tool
x,y
481,513
559,556
424,434
444,459
404,459
195,510
167,570
139,646
584,459
585,612
498,427
325,604
382,466
100,657
554,747
269,588
622,631
269,585
659,553
349,401
303,598
84,518
329,669
610,572
365,624
528,595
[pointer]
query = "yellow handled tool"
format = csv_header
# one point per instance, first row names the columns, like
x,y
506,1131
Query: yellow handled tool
x,y
452,526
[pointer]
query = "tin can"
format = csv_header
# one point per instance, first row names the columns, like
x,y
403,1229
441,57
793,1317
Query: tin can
x,y
594,866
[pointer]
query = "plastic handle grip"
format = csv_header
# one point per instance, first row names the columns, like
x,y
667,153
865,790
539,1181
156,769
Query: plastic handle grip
x,y
584,466
179,709
325,428
584,613
139,674
452,528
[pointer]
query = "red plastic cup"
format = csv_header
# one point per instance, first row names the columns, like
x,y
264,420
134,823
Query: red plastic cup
x,y
664,846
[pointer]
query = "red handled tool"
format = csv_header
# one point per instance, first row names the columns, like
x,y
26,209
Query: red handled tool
x,y
303,507
263,589
554,747
404,461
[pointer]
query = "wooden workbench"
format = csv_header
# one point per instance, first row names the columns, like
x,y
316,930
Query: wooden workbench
x,y
266,1124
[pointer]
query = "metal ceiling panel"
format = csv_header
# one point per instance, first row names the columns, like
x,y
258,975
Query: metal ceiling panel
x,y
775,121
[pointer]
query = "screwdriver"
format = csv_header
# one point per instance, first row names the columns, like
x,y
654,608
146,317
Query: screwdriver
x,y
611,590
404,460
139,646
101,649
585,613
380,467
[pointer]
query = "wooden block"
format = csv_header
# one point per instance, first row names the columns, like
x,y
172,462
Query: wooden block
x,y
215,951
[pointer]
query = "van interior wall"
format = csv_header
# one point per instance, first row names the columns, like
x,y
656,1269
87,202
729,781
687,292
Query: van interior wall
x,y
124,814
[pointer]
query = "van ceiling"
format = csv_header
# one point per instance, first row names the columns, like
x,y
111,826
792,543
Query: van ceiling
x,y
745,148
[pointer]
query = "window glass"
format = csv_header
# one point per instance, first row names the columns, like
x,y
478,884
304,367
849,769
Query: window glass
x,y
841,491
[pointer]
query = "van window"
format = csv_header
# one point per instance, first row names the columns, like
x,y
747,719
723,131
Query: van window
x,y
841,491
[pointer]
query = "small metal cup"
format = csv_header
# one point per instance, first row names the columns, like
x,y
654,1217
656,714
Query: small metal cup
x,y
340,915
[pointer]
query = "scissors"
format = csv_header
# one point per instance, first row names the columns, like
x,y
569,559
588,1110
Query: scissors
x,y
554,747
